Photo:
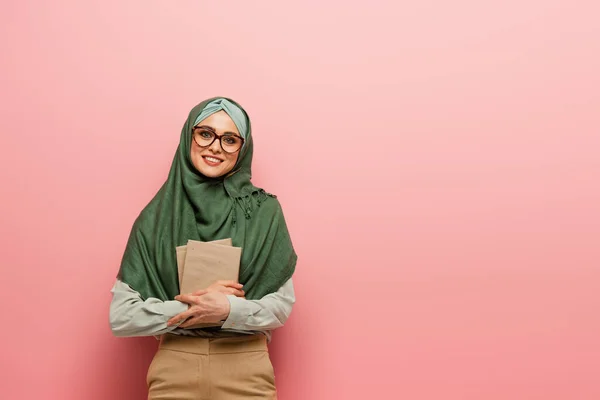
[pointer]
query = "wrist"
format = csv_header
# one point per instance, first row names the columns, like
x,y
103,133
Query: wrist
x,y
226,311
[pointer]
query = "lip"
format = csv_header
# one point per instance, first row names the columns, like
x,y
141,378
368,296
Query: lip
x,y
211,163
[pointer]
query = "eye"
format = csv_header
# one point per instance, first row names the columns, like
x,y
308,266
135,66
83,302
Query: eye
x,y
231,140
205,134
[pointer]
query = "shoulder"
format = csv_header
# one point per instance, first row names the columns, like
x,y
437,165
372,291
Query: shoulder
x,y
268,205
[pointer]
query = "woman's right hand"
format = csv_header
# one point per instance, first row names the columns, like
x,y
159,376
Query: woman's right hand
x,y
225,287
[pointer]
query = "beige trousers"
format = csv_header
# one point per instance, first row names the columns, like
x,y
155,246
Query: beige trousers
x,y
216,369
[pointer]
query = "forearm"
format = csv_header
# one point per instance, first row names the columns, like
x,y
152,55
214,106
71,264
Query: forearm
x,y
270,312
130,315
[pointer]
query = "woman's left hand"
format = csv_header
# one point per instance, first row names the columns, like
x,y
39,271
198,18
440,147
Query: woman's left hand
x,y
204,307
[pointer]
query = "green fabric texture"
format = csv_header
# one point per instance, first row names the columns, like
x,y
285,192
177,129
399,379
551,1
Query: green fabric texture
x,y
192,206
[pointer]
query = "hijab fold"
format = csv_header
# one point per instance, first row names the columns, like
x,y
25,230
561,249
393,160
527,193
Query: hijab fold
x,y
190,205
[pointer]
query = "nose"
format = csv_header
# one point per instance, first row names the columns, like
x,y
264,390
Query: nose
x,y
215,147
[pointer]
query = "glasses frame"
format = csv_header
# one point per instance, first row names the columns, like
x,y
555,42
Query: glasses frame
x,y
220,137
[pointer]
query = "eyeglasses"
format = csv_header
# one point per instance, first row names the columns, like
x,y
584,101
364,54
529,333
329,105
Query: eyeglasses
x,y
229,143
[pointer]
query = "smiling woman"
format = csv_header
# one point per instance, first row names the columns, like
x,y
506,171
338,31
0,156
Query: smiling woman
x,y
208,196
217,145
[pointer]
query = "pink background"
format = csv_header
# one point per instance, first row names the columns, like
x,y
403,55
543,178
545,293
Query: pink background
x,y
438,163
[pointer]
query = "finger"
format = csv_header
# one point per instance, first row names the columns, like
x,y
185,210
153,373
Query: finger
x,y
235,292
187,298
175,320
232,284
191,322
180,317
200,292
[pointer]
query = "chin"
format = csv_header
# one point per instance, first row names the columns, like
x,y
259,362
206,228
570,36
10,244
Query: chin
x,y
209,172
212,175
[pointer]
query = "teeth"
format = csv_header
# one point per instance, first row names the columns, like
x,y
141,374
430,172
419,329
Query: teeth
x,y
211,159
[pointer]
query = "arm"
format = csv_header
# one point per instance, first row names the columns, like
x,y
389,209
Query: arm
x,y
268,313
132,316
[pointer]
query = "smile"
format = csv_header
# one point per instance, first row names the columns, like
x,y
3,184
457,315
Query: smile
x,y
212,161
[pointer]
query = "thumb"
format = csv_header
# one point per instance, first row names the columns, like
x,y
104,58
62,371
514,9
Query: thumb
x,y
200,292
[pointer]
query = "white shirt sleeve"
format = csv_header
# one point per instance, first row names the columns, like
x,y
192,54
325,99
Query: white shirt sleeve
x,y
132,316
270,312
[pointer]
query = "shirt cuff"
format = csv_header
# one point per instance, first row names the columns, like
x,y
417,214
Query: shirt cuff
x,y
238,313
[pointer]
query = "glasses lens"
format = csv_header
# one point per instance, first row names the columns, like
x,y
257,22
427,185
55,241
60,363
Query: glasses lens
x,y
203,137
231,143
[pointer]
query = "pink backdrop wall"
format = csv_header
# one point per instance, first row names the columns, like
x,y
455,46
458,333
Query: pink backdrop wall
x,y
438,163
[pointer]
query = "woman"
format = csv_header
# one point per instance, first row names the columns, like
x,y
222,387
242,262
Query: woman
x,y
208,196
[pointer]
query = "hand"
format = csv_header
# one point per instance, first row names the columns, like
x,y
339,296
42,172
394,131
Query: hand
x,y
225,287
204,307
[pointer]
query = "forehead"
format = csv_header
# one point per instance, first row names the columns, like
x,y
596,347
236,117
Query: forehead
x,y
220,122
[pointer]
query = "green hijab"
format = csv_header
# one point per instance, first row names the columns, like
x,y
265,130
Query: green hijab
x,y
192,206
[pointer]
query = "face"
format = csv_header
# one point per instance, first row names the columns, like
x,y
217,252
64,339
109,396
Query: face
x,y
212,161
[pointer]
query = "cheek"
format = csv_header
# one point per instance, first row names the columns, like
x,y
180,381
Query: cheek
x,y
231,160
194,153
196,158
